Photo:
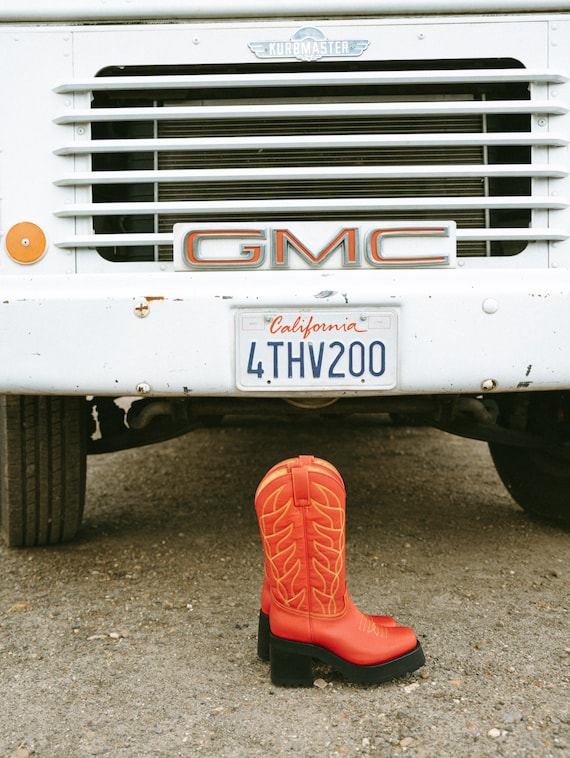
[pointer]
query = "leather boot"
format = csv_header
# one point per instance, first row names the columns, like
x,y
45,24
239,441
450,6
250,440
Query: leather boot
x,y
264,613
301,510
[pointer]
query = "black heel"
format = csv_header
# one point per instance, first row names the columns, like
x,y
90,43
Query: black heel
x,y
291,663
263,636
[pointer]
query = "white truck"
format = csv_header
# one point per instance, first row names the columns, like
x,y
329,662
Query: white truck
x,y
308,207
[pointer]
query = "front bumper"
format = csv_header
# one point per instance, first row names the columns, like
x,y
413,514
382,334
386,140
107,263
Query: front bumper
x,y
459,330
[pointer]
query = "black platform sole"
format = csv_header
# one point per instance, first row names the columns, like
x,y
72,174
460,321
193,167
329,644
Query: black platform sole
x,y
292,664
263,632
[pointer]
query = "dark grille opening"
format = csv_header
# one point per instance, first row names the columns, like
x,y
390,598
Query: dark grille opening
x,y
294,130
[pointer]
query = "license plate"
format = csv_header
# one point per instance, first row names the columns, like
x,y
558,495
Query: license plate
x,y
318,350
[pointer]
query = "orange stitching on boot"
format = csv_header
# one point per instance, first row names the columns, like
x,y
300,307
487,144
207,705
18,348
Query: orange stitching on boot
x,y
296,571
281,550
328,582
268,478
367,625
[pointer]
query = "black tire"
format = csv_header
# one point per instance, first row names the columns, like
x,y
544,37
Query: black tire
x,y
42,468
536,479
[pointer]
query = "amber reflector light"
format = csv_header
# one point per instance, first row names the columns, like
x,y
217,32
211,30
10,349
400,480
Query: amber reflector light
x,y
26,242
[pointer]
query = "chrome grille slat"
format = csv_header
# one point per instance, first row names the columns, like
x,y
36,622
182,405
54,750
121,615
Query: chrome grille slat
x,y
300,110
474,235
292,173
304,142
319,78
208,208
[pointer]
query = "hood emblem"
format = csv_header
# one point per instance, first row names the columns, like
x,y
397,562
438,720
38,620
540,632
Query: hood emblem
x,y
309,44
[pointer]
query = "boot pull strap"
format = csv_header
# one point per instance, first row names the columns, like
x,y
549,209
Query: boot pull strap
x,y
300,480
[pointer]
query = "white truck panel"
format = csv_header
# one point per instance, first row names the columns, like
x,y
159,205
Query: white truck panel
x,y
68,322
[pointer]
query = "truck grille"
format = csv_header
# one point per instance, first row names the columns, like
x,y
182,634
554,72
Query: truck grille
x,y
468,141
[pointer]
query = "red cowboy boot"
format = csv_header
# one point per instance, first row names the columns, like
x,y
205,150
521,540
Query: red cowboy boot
x,y
263,628
301,512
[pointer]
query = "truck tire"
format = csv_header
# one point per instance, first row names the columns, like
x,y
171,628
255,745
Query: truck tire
x,y
536,479
42,468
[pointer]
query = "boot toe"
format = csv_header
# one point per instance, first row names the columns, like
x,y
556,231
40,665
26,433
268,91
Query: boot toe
x,y
399,641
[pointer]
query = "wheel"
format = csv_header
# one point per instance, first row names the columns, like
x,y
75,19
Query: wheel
x,y
538,479
42,468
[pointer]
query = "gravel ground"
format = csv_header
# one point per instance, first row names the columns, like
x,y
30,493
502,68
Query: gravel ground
x,y
140,638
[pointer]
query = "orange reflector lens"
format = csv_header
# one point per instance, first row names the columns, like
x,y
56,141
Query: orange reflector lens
x,y
26,242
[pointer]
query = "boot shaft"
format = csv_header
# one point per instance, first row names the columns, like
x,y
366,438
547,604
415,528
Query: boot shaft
x,y
301,509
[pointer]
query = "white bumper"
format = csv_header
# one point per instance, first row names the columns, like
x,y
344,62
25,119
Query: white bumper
x,y
459,331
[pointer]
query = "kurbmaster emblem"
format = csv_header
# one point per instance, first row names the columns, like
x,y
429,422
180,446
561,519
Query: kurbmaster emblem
x,y
309,44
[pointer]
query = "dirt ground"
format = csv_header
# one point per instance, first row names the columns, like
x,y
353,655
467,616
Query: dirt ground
x,y
139,639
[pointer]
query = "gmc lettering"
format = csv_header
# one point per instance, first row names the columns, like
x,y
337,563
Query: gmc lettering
x,y
278,248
